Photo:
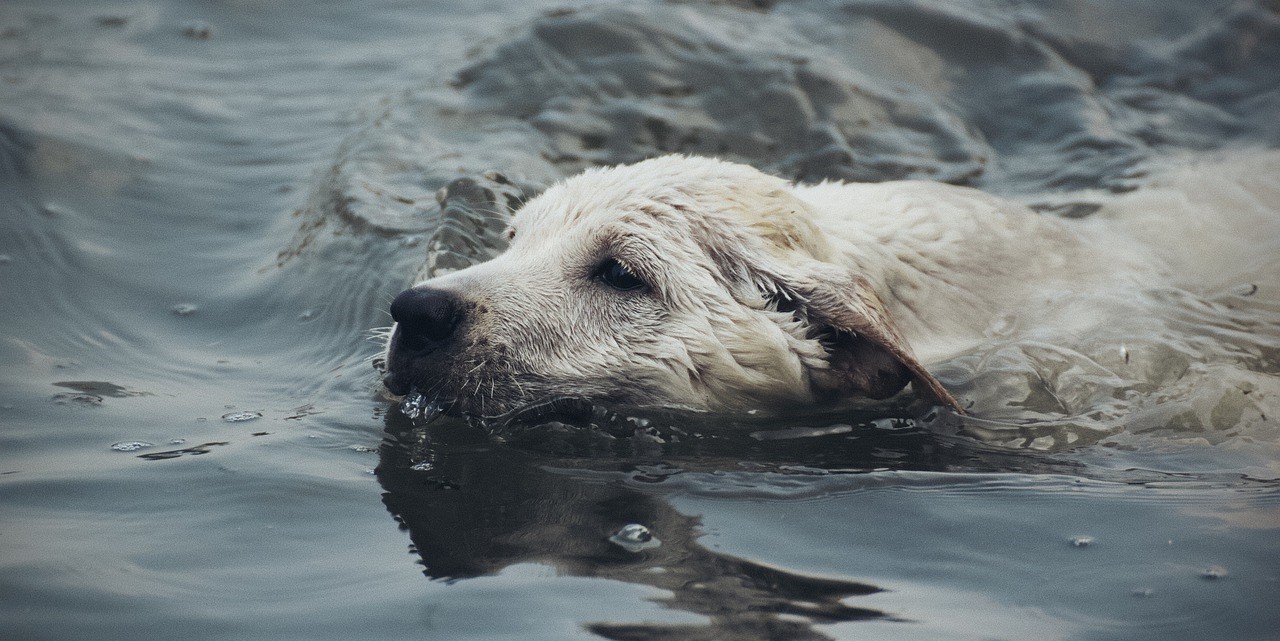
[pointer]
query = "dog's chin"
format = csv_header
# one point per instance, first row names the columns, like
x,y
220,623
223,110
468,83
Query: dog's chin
x,y
494,404
603,415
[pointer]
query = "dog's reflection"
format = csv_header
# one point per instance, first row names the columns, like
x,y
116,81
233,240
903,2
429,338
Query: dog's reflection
x,y
473,506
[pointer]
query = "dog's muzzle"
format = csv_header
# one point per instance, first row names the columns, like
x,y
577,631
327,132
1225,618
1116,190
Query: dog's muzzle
x,y
426,319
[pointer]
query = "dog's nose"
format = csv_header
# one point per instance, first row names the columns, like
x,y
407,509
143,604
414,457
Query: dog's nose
x,y
426,316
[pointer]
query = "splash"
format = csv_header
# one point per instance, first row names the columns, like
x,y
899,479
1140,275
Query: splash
x,y
420,409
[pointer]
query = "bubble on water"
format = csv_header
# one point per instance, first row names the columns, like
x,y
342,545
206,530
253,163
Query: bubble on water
x,y
1142,592
419,408
241,417
423,466
131,446
1214,572
183,309
634,537
1082,541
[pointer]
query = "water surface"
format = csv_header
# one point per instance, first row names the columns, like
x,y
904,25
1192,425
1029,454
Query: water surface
x,y
206,208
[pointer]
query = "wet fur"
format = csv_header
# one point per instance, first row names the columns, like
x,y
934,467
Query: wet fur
x,y
760,293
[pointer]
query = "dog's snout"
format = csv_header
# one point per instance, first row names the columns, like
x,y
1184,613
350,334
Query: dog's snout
x,y
426,316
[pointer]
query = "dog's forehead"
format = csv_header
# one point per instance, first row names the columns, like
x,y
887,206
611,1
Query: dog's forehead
x,y
596,198
669,202
565,209
667,190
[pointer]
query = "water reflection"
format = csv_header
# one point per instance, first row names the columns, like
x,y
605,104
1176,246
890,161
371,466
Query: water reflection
x,y
474,503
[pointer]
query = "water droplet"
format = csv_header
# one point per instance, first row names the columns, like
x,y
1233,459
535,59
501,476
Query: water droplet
x,y
241,417
1082,541
131,446
634,537
423,466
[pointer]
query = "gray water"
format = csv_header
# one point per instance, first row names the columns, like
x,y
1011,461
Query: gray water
x,y
205,209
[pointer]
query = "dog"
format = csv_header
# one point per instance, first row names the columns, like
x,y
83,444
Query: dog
x,y
701,284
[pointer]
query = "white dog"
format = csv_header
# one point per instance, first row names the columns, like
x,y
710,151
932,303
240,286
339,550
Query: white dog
x,y
703,284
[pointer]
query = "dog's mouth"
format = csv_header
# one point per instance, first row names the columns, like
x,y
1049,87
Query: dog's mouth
x,y
420,403
486,387
420,375
396,383
425,393
425,389
422,409
560,415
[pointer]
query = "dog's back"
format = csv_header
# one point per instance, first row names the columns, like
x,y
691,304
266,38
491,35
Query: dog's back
x,y
952,261
953,264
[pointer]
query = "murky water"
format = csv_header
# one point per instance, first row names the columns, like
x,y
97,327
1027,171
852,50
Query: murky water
x,y
206,208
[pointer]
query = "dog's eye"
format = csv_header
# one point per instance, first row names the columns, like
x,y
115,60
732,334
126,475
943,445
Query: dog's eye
x,y
612,273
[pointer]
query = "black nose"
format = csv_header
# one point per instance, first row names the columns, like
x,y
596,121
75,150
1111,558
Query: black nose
x,y
426,316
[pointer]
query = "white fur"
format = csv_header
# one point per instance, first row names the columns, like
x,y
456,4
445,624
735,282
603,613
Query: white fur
x,y
905,265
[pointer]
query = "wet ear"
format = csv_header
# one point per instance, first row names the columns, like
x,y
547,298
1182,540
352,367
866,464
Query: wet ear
x,y
868,354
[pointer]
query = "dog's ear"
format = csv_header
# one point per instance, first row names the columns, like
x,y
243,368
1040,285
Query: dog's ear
x,y
868,354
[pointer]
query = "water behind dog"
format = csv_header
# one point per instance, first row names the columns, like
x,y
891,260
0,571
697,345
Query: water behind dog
x,y
207,209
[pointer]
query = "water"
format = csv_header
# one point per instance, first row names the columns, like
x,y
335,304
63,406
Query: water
x,y
206,208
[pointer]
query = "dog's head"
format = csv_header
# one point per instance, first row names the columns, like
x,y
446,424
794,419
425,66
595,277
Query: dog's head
x,y
677,281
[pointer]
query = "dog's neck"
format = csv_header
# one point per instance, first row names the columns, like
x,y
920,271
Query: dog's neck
x,y
949,262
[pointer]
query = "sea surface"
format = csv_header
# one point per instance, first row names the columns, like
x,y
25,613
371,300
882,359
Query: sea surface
x,y
206,207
